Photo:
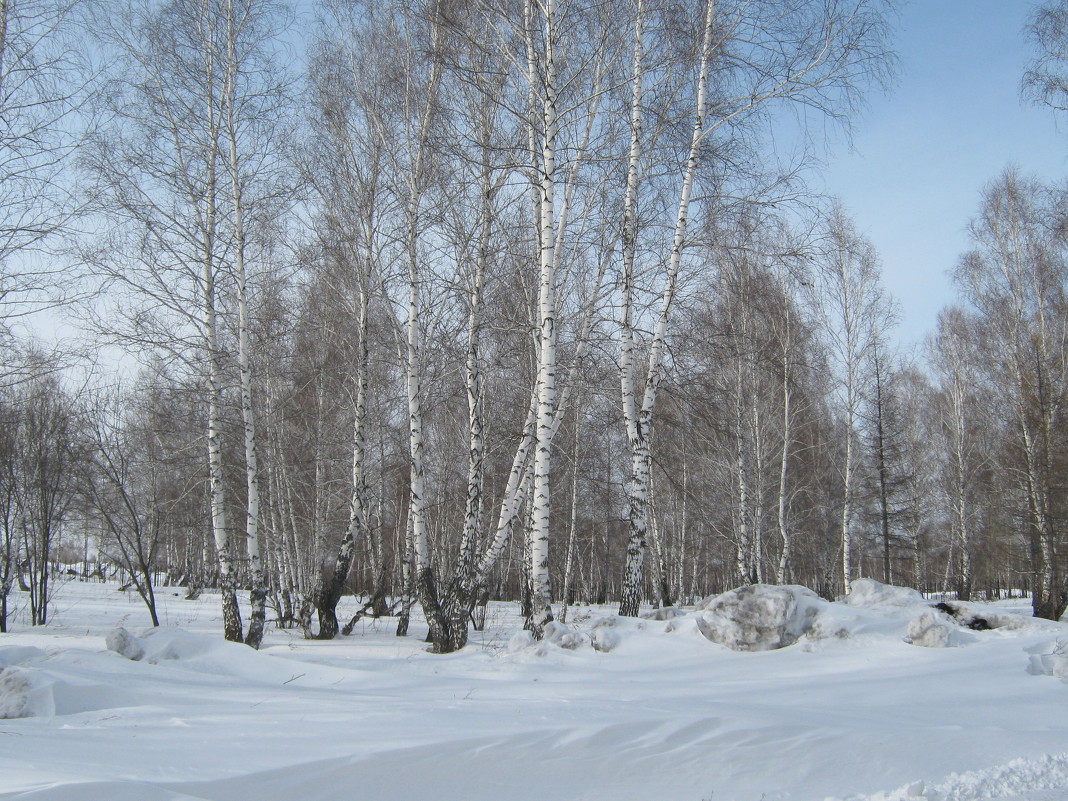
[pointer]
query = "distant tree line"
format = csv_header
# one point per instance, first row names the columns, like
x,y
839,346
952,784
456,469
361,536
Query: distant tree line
x,y
443,301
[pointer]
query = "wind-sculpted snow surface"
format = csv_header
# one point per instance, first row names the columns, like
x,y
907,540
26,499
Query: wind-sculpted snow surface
x,y
603,709
34,683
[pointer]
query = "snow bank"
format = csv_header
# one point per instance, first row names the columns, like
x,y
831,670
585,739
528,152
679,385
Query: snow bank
x,y
932,629
1050,659
562,636
18,698
663,613
163,645
763,617
124,644
869,592
606,635
1020,779
981,617
35,691
760,617
177,649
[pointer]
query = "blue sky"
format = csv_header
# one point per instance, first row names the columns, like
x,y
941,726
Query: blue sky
x,y
922,152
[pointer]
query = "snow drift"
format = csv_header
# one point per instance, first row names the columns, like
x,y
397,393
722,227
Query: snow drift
x,y
764,617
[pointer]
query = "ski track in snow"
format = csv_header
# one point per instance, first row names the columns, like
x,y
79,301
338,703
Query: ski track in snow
x,y
666,716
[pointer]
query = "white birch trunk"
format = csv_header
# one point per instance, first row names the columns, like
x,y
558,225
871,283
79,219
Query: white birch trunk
x,y
847,498
541,610
744,553
642,418
960,499
786,554
421,557
258,593
232,626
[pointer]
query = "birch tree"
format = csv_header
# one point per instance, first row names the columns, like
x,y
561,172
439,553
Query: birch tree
x,y
813,54
854,312
191,113
1015,280
46,83
347,177
954,359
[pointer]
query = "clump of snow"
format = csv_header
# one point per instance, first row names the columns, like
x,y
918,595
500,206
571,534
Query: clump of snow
x,y
125,644
869,592
663,613
16,691
518,641
933,629
561,635
1050,659
605,635
760,617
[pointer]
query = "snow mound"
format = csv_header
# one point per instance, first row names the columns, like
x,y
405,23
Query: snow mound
x,y
177,649
20,654
933,629
663,613
760,617
17,697
869,592
168,645
763,617
562,636
1050,659
979,617
518,641
28,692
125,644
606,636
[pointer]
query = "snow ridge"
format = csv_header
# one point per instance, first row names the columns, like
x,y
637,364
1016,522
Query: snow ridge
x,y
1042,779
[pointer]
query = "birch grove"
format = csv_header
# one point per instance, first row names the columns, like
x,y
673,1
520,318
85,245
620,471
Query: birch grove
x,y
442,303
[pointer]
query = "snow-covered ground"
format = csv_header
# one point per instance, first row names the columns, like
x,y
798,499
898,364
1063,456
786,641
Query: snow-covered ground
x,y
851,710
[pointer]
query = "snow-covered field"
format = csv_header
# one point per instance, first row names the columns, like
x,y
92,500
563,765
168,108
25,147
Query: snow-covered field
x,y
850,711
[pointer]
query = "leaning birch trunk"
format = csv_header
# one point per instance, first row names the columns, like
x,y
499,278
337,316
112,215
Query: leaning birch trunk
x,y
459,598
641,427
258,587
332,586
520,475
515,491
